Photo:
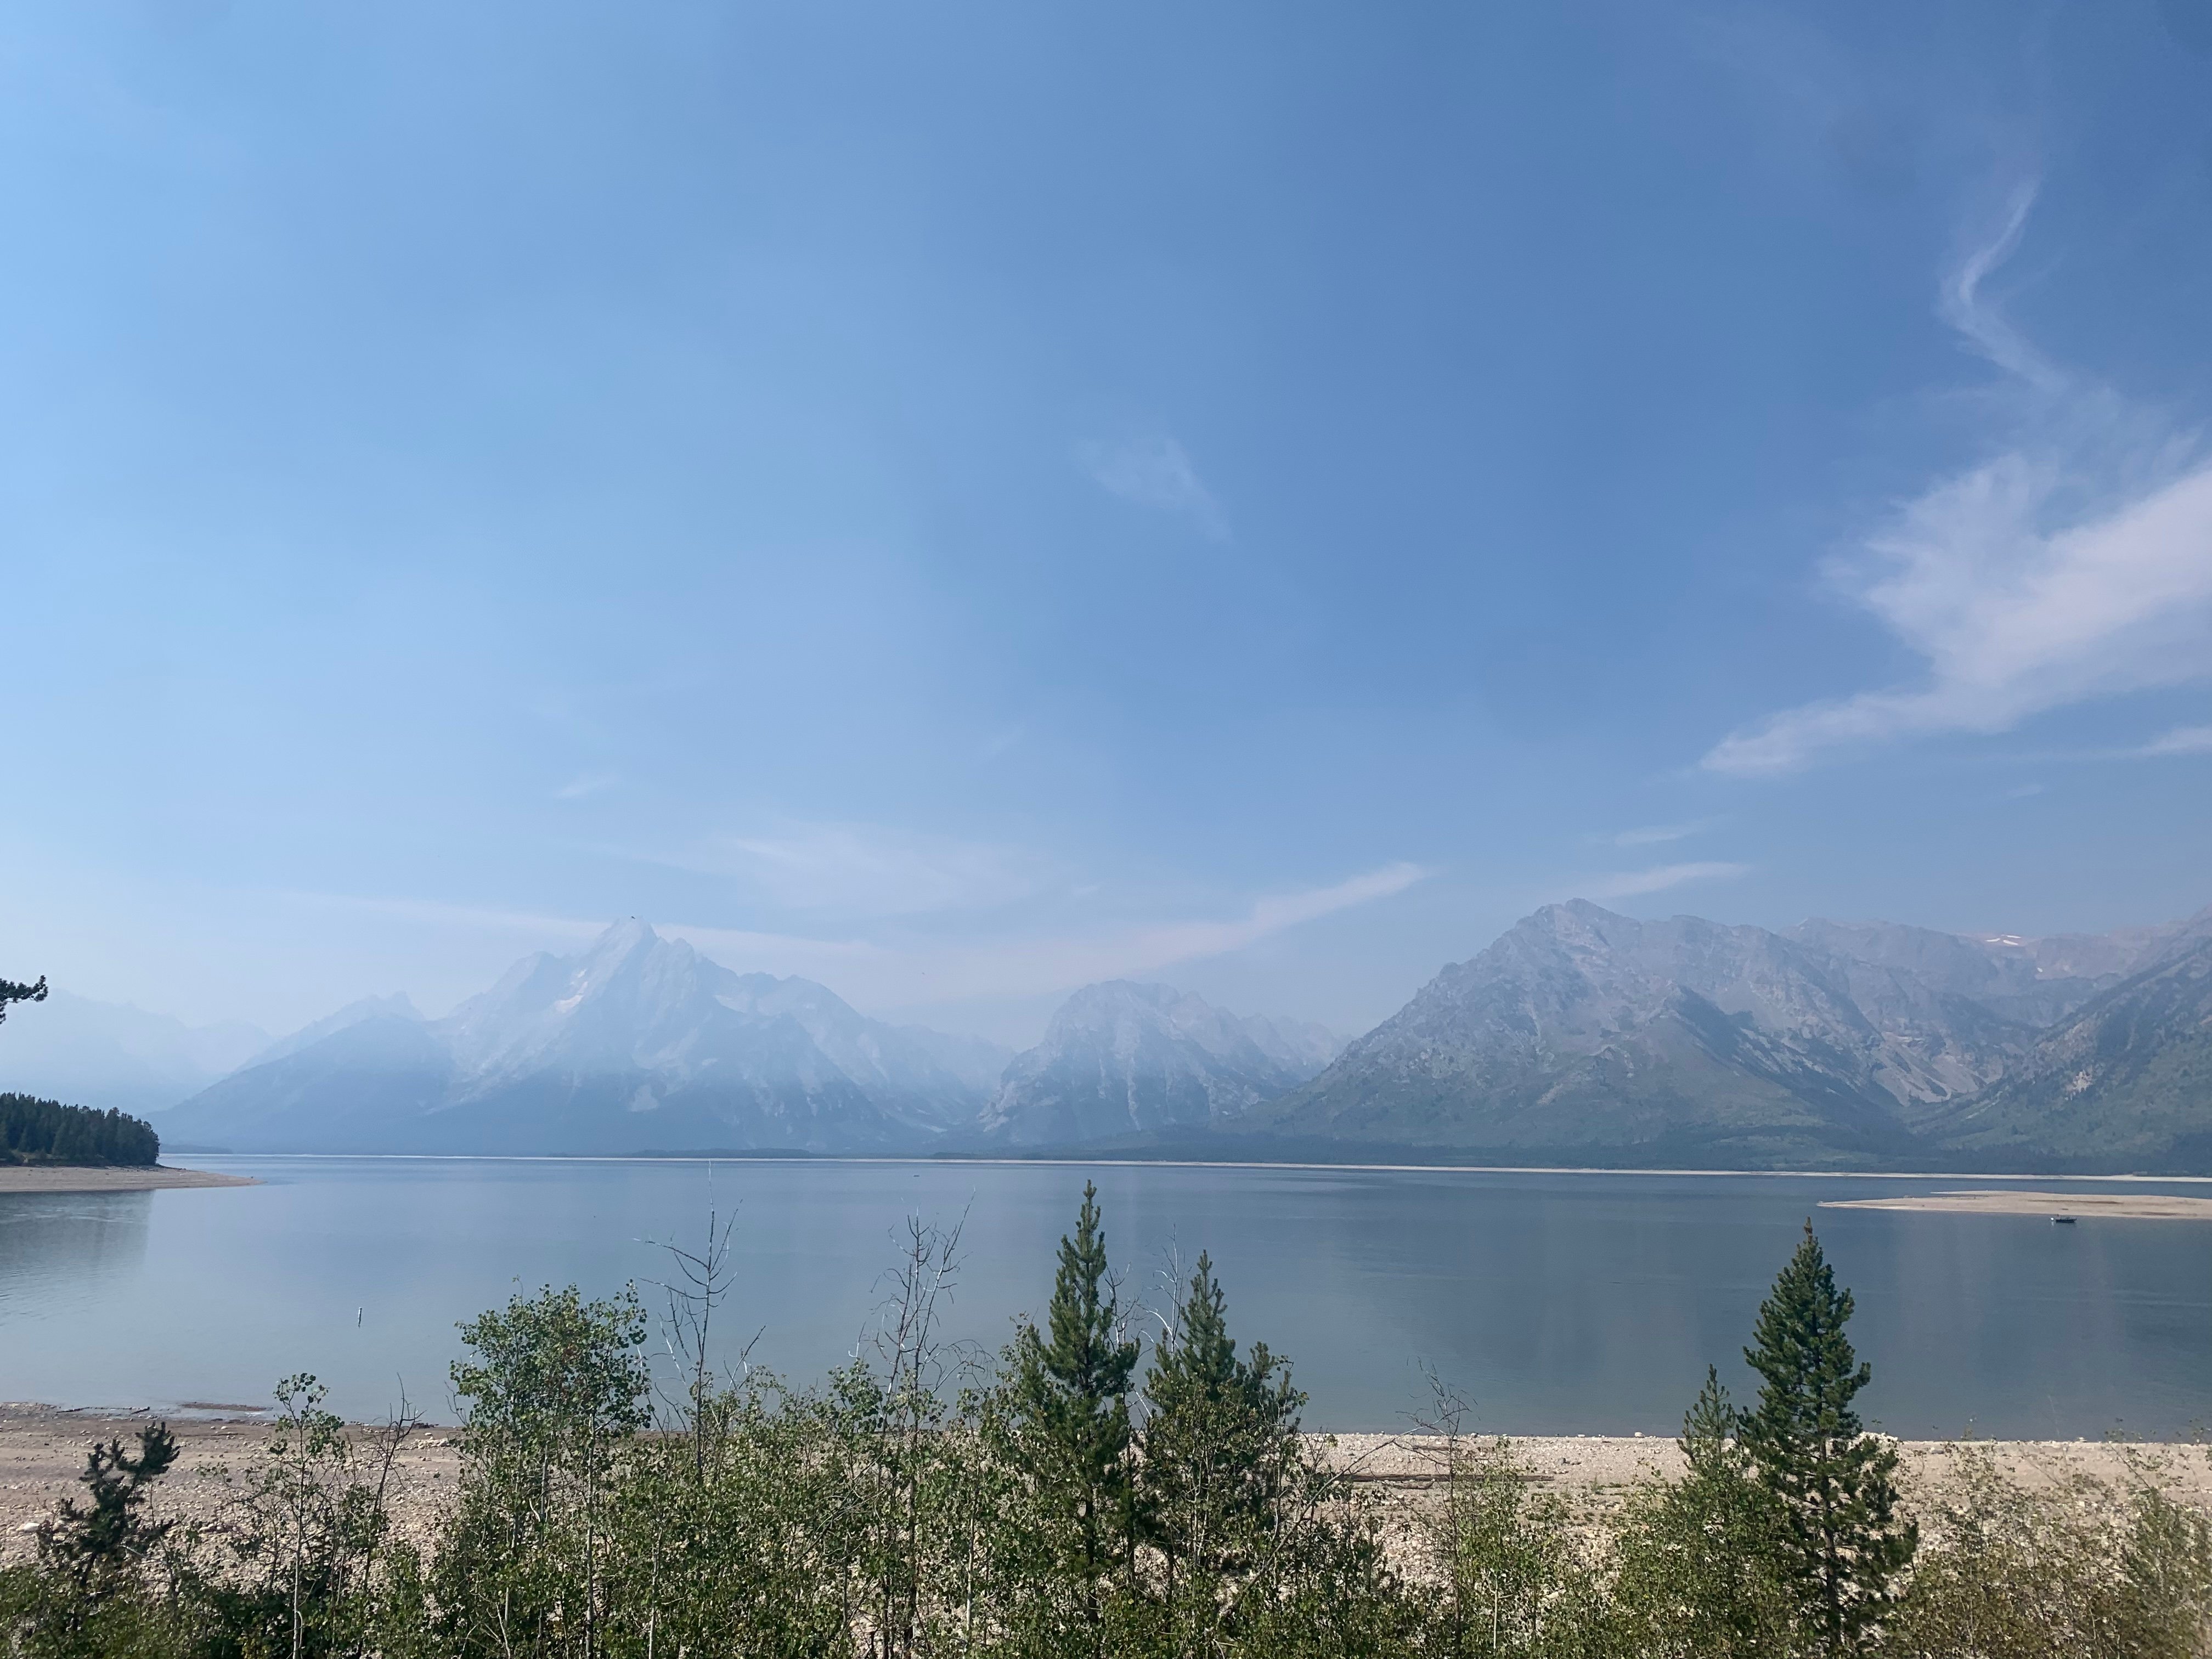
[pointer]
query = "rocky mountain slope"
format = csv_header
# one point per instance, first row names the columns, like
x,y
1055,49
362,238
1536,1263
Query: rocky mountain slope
x,y
638,1044
2125,1082
1582,1033
1120,1059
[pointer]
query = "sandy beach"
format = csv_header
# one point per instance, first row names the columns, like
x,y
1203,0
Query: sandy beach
x,y
2125,1206
42,1450
55,1178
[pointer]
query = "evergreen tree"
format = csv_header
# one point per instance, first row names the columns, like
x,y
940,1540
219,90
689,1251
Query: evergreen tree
x,y
12,992
1839,1542
34,1131
1221,1457
94,1547
1067,1403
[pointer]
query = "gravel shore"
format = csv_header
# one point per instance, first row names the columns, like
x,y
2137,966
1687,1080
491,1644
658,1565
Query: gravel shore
x,y
59,1178
42,1450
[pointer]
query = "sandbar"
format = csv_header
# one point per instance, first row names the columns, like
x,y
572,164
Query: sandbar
x,y
2130,1207
63,1178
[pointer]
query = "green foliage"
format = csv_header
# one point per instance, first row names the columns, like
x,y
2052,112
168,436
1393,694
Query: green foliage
x,y
1226,1486
102,1548
1061,1423
34,1131
1515,1575
88,1592
556,1390
301,1560
744,1538
1699,1559
910,1508
1842,1547
2077,1570
12,992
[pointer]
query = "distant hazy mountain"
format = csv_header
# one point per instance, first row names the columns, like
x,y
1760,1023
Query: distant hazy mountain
x,y
1120,1059
1584,1033
105,1054
2124,1083
638,1044
395,1007
2029,981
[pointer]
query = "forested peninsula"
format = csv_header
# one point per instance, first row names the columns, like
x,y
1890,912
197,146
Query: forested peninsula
x,y
45,1132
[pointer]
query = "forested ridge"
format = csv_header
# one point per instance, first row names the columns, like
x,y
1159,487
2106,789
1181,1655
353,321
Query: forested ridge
x,y
1098,1490
34,1131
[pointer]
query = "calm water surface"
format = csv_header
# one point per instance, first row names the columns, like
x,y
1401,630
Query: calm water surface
x,y
1558,1303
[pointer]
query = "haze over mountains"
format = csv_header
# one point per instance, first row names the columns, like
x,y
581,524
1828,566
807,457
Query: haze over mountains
x,y
1580,1036
1122,1059
109,1054
1586,1035
638,1044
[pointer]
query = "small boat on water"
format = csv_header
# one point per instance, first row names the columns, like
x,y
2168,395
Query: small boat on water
x,y
2063,1220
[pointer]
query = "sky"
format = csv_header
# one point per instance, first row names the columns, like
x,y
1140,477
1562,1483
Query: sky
x,y
961,501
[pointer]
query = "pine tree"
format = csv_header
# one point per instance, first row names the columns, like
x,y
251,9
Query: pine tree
x,y
1221,1454
97,1547
12,992
1068,1398
1834,1486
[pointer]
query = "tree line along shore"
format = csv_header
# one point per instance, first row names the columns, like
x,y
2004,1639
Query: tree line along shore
x,y
42,1133
1087,1491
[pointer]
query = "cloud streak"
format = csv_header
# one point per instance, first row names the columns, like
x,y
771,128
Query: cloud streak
x,y
917,974
2182,740
2076,564
1628,884
1655,834
860,869
1154,472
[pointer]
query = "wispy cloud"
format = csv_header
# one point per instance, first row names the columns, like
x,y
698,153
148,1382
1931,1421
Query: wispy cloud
x,y
1627,883
1655,834
917,974
437,912
2073,564
590,783
862,869
914,971
2182,740
1154,472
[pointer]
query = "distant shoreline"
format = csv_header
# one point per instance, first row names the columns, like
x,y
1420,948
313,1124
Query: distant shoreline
x,y
2129,1206
943,1160
108,1178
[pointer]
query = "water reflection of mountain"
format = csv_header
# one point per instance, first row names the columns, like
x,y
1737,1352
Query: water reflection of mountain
x,y
59,1250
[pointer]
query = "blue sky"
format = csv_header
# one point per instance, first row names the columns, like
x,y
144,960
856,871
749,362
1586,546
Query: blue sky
x,y
958,501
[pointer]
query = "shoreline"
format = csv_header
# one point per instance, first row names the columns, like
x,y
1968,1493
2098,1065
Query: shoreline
x,y
108,1178
2118,1207
42,1451
940,1160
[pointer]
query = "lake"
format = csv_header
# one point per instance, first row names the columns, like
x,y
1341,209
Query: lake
x,y
1555,1303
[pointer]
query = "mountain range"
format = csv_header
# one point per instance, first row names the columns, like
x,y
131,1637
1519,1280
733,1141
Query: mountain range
x,y
111,1054
639,1044
1579,1037
1125,1060
1582,1036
